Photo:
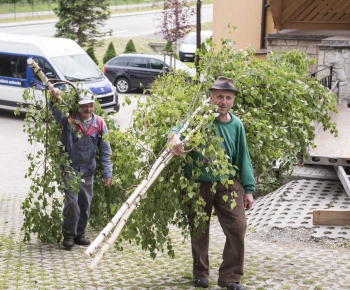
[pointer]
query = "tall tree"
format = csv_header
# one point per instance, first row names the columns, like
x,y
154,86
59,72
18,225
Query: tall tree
x,y
80,20
174,19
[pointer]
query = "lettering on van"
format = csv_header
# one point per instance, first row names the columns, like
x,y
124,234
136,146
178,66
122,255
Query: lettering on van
x,y
10,82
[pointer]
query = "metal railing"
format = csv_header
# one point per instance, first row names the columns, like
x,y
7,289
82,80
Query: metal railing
x,y
327,80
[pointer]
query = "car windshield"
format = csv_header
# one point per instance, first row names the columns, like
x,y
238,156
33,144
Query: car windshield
x,y
78,67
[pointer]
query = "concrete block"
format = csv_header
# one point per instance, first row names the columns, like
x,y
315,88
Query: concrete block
x,y
321,54
346,53
279,42
292,42
312,50
330,57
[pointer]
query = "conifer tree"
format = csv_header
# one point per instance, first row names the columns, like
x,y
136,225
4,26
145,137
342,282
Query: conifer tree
x,y
130,47
81,21
91,52
168,47
110,52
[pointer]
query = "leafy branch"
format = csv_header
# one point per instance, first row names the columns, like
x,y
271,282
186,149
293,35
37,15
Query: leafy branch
x,y
278,105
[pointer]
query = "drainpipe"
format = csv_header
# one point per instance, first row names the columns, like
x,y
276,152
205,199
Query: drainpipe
x,y
198,31
263,23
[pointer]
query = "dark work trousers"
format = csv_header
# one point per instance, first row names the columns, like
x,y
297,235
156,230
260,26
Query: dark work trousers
x,y
233,223
76,210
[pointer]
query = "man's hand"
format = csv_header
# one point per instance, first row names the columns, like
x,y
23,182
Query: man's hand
x,y
248,201
55,95
177,148
107,181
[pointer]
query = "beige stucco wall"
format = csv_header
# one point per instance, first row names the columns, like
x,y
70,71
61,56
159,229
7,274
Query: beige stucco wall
x,y
246,16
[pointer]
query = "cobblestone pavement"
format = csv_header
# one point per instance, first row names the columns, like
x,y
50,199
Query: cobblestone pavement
x,y
271,263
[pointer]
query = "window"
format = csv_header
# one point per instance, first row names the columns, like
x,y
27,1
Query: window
x,y
191,39
138,62
156,64
13,66
120,61
77,67
45,66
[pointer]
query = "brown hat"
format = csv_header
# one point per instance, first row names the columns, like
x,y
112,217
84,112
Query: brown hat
x,y
224,83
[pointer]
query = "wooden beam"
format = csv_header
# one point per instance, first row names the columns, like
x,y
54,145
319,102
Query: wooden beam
x,y
316,26
335,217
276,11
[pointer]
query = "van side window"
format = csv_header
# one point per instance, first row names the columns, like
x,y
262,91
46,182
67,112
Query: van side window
x,y
45,66
13,66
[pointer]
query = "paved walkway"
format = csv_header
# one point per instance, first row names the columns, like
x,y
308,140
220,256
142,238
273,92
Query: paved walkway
x,y
273,260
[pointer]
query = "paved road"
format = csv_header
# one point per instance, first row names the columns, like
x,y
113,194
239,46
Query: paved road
x,y
50,13
123,25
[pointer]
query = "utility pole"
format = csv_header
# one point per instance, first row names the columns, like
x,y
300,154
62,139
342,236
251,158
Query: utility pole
x,y
198,31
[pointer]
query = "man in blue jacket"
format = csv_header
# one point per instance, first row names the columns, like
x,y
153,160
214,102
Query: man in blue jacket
x,y
82,133
233,221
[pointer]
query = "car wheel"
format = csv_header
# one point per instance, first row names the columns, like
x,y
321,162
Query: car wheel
x,y
122,85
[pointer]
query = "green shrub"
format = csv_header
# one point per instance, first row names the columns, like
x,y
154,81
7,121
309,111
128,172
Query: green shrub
x,y
110,53
91,52
130,47
168,47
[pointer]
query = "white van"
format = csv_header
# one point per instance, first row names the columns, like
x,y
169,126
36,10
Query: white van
x,y
189,45
59,58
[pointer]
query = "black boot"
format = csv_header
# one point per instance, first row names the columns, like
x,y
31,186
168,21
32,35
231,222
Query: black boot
x,y
68,241
81,240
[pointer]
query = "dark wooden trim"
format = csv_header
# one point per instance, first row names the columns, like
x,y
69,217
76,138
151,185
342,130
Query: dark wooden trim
x,y
311,14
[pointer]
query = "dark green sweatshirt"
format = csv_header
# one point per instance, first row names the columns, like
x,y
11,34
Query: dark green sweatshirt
x,y
235,145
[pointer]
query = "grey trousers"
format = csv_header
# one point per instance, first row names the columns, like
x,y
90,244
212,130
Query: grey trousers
x,y
76,210
233,223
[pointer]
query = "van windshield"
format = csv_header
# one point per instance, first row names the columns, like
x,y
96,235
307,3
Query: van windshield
x,y
192,38
78,67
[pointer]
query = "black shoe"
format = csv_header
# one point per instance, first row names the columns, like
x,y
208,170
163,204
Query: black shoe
x,y
81,240
68,242
201,282
231,285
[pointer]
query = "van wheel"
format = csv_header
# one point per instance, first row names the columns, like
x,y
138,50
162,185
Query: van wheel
x,y
122,85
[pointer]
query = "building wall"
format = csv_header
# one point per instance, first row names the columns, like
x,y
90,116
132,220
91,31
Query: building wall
x,y
329,48
335,51
246,16
309,45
